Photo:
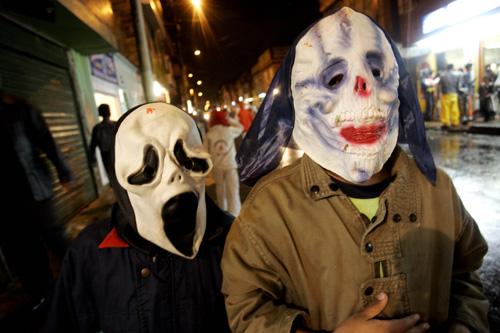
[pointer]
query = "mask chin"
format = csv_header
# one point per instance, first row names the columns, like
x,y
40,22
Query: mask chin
x,y
179,221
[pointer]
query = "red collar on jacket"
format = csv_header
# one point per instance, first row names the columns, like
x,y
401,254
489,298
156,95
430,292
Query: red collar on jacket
x,y
113,240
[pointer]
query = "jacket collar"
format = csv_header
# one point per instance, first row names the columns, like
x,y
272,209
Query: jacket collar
x,y
113,240
400,200
317,184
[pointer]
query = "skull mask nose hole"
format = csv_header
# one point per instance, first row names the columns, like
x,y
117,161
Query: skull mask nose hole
x,y
176,177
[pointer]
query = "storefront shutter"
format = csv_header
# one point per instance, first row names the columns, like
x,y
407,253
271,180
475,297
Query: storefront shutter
x,y
43,78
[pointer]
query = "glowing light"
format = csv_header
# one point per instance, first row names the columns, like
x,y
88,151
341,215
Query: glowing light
x,y
197,52
190,75
206,116
200,94
218,108
153,5
225,106
240,99
233,103
158,89
189,106
196,4
458,35
195,113
199,82
456,12
249,99
276,91
262,95
191,91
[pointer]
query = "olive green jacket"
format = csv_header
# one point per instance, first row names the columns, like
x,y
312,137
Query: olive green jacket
x,y
300,247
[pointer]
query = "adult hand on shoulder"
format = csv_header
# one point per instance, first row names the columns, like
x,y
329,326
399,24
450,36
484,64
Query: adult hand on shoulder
x,y
364,322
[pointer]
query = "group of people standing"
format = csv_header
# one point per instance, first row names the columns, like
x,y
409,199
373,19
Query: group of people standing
x,y
456,91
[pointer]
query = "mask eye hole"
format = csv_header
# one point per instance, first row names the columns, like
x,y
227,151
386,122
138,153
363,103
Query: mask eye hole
x,y
377,73
333,74
336,80
375,61
147,172
198,165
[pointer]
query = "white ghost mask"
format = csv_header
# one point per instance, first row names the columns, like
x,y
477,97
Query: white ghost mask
x,y
159,161
344,83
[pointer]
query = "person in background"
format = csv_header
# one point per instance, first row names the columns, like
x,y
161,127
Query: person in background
x,y
485,98
253,108
427,86
28,226
467,93
220,142
449,84
245,116
155,265
102,137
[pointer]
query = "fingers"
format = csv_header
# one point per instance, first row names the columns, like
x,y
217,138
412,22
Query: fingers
x,y
419,328
375,308
407,324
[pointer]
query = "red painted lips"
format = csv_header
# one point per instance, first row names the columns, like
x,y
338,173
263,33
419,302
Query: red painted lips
x,y
364,134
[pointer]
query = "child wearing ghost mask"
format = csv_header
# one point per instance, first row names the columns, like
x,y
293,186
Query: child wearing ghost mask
x,y
156,265
355,236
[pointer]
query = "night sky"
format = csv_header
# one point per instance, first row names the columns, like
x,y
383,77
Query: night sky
x,y
238,32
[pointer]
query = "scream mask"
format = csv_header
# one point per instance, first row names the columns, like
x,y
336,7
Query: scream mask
x,y
159,162
344,83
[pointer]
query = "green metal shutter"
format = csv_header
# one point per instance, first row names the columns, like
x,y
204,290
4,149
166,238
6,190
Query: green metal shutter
x,y
47,85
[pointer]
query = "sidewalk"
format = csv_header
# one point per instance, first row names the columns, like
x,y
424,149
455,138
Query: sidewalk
x,y
474,127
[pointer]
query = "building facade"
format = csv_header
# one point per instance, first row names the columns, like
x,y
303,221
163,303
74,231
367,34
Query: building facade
x,y
68,56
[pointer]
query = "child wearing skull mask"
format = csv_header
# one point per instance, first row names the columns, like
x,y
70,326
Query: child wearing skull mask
x,y
356,236
156,265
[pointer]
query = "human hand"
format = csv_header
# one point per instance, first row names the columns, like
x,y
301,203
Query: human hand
x,y
459,328
364,322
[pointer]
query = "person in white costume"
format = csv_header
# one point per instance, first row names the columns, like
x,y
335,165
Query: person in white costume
x,y
222,132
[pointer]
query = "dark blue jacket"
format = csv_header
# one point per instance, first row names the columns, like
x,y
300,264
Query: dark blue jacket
x,y
107,284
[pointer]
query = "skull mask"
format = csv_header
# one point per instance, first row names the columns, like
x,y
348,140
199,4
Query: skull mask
x,y
344,84
159,162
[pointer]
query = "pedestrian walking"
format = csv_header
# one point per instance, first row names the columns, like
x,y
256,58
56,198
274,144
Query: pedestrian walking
x,y
102,137
220,142
245,116
28,226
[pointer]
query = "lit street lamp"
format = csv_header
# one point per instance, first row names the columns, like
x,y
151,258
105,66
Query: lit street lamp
x,y
199,82
197,52
190,75
196,5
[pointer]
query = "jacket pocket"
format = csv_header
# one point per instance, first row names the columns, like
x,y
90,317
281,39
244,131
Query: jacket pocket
x,y
396,289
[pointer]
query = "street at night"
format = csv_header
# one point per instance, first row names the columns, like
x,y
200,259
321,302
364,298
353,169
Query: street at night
x,y
250,166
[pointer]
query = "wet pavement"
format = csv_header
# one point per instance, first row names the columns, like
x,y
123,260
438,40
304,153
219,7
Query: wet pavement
x,y
473,162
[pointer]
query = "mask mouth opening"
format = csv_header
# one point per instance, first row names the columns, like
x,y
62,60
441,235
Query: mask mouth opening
x,y
179,221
